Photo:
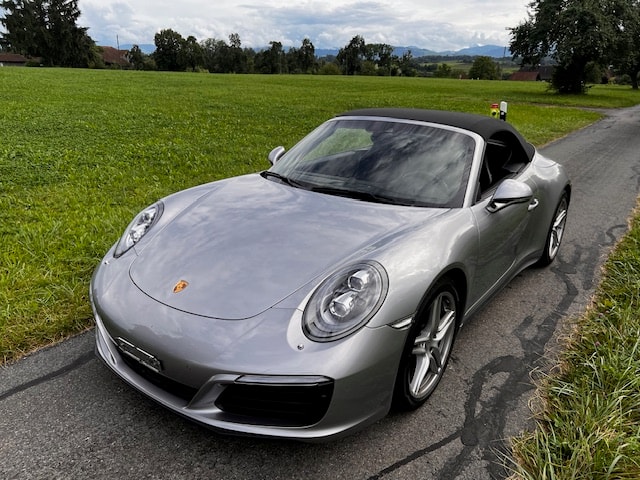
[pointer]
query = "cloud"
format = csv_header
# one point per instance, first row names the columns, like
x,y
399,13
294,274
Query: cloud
x,y
429,24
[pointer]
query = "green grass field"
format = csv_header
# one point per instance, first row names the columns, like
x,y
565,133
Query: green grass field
x,y
84,150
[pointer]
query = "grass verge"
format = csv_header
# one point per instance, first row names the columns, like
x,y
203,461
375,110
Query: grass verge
x,y
588,423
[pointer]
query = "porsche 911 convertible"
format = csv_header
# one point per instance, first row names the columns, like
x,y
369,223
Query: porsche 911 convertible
x,y
307,300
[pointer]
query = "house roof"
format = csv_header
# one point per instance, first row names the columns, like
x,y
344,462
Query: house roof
x,y
113,56
542,72
12,58
525,76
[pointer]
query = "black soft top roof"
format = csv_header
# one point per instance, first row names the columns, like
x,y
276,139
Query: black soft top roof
x,y
487,127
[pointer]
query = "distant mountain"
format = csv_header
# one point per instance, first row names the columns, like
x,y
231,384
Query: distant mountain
x,y
326,52
496,51
486,51
415,51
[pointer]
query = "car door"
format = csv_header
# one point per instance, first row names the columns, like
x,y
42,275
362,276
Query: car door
x,y
501,233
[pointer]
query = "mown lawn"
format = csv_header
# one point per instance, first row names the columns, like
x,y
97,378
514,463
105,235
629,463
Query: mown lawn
x,y
82,151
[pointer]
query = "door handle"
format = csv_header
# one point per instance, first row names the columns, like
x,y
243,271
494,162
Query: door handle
x,y
533,205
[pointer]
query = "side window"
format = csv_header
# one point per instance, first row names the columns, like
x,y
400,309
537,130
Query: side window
x,y
503,157
496,156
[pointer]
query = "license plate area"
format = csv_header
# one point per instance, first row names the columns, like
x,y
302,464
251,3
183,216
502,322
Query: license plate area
x,y
139,355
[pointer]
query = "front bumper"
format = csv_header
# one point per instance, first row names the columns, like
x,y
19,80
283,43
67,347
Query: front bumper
x,y
259,377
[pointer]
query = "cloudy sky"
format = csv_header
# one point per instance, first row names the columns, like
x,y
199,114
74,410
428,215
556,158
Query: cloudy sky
x,y
434,24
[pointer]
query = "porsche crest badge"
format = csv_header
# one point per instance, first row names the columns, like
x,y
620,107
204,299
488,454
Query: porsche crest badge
x,y
180,286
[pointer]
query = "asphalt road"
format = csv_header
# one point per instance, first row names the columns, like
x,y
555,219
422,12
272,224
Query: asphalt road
x,y
64,415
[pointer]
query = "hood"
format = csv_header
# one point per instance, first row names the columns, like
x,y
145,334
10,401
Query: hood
x,y
252,242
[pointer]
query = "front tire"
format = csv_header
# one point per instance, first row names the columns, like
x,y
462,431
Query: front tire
x,y
428,347
556,232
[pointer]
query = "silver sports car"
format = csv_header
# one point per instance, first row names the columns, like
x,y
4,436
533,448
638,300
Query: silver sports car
x,y
307,300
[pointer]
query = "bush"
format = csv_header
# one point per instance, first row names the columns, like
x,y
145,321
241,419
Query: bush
x,y
623,79
330,69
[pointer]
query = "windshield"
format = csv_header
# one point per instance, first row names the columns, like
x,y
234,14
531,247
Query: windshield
x,y
382,160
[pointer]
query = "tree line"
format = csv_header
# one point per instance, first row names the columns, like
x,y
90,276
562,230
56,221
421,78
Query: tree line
x,y
48,30
580,37
173,52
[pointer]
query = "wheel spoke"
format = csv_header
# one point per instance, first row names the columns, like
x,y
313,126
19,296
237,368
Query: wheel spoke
x,y
419,350
419,374
446,322
558,226
560,219
436,361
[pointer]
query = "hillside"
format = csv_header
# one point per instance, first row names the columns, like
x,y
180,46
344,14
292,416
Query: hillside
x,y
495,51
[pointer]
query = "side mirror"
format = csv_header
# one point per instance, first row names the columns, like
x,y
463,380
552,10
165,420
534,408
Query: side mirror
x,y
510,192
275,154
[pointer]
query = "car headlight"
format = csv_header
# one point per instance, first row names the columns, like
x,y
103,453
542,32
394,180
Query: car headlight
x,y
345,301
138,228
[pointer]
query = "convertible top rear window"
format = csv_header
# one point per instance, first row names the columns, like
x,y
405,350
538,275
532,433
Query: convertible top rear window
x,y
399,162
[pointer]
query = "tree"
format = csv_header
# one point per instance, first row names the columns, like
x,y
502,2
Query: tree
x,y
219,57
303,59
191,53
381,55
234,41
271,60
573,32
407,65
235,58
307,56
137,57
484,68
48,29
444,70
627,46
140,60
350,57
212,54
168,54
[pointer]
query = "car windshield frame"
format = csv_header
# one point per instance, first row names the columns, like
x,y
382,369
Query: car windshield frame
x,y
384,160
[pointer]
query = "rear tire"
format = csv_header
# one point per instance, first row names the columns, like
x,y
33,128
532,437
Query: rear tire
x,y
428,346
556,232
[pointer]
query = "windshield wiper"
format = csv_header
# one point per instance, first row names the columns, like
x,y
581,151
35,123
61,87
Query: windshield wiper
x,y
360,195
341,192
282,178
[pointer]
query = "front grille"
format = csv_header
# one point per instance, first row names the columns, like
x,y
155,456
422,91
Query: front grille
x,y
175,388
282,405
